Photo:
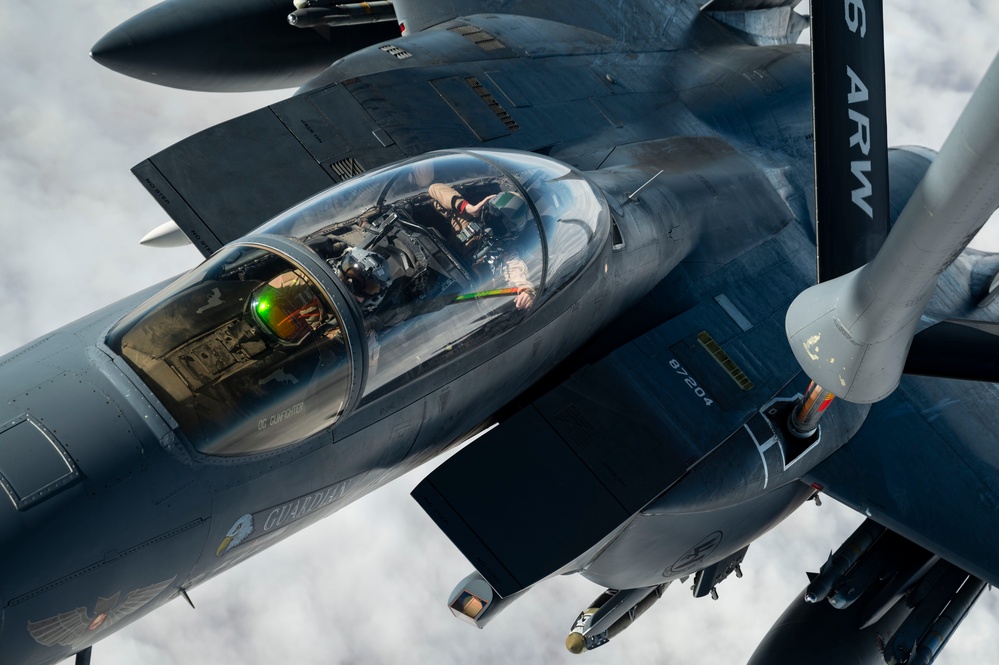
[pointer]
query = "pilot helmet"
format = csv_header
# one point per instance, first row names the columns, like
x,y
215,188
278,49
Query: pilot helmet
x,y
423,174
287,309
366,274
506,214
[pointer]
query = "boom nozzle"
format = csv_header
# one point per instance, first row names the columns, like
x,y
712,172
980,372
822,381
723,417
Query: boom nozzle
x,y
852,334
804,420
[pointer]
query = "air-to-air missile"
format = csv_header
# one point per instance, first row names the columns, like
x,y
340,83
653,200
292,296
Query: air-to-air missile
x,y
842,560
939,603
866,573
887,577
897,604
934,638
313,13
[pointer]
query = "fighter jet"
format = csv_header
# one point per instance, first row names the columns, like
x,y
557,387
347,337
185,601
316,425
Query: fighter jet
x,y
216,381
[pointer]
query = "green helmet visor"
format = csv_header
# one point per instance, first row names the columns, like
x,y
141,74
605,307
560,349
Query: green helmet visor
x,y
289,313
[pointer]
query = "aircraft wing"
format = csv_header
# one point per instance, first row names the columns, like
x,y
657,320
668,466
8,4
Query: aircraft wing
x,y
347,123
210,183
572,467
480,80
926,465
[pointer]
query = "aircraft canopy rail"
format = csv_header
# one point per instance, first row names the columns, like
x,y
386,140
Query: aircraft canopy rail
x,y
433,274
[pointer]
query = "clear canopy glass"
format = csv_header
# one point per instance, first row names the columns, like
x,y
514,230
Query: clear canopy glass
x,y
435,274
431,258
246,352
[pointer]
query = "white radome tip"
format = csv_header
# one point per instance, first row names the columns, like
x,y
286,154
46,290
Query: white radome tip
x,y
167,234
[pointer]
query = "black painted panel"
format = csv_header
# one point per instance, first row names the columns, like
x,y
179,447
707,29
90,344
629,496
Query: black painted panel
x,y
218,175
957,350
519,504
851,133
470,108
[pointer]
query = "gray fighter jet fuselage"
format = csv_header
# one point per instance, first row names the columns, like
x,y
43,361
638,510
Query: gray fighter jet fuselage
x,y
664,229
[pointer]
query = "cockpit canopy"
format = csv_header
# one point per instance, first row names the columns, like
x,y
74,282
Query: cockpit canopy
x,y
373,282
556,218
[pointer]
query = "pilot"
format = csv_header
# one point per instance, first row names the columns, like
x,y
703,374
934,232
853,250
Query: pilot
x,y
487,230
289,308
423,174
367,275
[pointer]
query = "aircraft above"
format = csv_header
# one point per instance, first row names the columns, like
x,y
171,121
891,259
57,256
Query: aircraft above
x,y
377,525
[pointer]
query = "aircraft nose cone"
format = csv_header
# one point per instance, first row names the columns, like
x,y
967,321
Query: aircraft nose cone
x,y
113,50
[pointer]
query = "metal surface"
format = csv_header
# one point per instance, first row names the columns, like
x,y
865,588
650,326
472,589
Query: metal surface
x,y
852,334
637,405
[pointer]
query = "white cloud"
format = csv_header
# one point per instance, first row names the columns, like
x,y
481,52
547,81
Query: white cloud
x,y
369,584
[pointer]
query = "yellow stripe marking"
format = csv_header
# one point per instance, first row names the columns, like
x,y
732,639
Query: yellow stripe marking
x,y
723,359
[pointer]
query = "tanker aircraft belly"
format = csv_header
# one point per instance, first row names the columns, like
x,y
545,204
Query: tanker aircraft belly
x,y
584,242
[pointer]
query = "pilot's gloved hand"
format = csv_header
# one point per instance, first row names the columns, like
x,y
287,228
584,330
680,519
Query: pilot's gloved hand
x,y
474,209
525,297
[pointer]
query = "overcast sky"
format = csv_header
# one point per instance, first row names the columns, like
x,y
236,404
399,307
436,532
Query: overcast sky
x,y
369,584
